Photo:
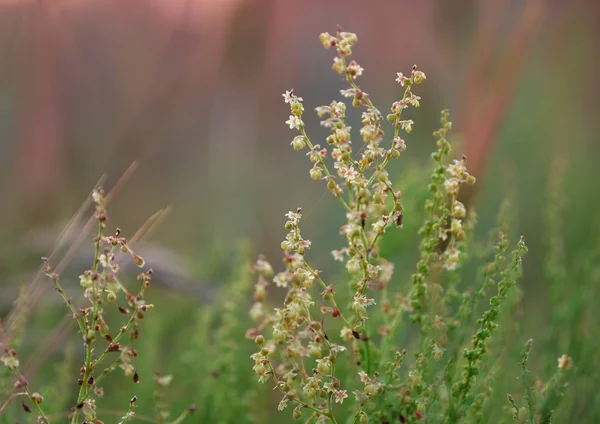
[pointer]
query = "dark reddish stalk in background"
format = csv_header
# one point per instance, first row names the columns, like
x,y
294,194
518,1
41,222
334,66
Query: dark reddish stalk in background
x,y
485,103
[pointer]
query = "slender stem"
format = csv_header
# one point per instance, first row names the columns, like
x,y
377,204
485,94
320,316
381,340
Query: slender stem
x,y
68,301
388,339
322,162
331,298
11,397
181,417
368,349
36,405
108,412
329,397
304,405
357,415
89,343
106,352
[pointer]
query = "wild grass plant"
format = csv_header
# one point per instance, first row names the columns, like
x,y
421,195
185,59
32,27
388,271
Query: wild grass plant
x,y
107,347
371,339
332,350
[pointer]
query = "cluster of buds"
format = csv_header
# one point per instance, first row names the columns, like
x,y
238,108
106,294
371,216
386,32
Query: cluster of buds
x,y
446,217
372,387
565,363
102,286
294,332
9,359
372,205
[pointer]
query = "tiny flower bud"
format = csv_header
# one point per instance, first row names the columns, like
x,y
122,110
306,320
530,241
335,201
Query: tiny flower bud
x,y
297,413
353,266
324,366
331,185
37,398
316,173
298,142
139,261
21,383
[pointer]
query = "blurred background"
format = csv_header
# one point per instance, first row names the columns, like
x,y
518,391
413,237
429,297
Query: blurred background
x,y
191,90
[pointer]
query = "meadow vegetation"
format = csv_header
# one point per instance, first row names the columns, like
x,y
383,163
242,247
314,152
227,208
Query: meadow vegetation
x,y
368,340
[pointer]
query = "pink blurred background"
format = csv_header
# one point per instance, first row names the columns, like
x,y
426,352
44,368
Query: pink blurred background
x,y
192,89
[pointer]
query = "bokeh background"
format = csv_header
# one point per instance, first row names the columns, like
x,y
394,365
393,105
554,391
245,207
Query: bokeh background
x,y
191,90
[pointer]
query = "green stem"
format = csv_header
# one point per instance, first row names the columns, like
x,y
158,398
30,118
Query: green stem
x,y
322,162
304,405
331,298
89,343
36,405
368,349
357,415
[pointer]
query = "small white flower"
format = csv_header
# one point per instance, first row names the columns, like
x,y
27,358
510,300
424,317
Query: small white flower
x,y
96,196
406,125
104,260
355,69
293,216
290,97
457,169
364,378
451,259
10,361
294,122
459,209
565,362
379,227
326,39
338,65
401,79
257,311
414,100
363,300
282,279
419,76
349,92
338,255
86,280
264,267
399,144
282,404
340,395
164,380
346,334
400,104
456,226
348,37
451,185
336,348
